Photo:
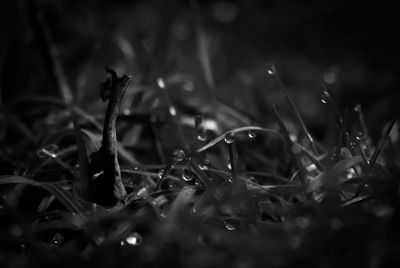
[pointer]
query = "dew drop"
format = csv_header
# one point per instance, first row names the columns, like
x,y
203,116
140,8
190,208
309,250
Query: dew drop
x,y
179,155
271,70
230,226
325,97
252,134
187,175
134,239
160,82
205,164
202,137
229,166
49,150
57,239
357,108
229,137
359,135
160,173
201,133
172,111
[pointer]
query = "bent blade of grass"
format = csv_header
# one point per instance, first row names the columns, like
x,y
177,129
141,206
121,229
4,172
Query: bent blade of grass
x,y
382,141
234,131
333,171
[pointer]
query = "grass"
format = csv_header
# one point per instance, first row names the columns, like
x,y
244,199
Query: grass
x,y
212,204
203,189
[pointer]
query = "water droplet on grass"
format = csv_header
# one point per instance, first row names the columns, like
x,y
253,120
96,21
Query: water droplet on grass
x,y
229,137
172,111
160,82
134,239
205,164
201,133
187,175
160,173
230,226
252,134
49,150
202,137
271,70
179,155
359,135
325,97
57,239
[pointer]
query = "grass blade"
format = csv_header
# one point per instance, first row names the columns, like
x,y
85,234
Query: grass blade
x,y
296,111
382,141
295,155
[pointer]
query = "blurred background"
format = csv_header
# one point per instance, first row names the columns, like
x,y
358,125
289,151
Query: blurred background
x,y
205,50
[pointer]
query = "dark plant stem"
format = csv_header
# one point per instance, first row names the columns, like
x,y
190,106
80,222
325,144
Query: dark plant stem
x,y
112,172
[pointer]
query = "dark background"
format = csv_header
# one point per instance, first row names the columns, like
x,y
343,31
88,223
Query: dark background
x,y
309,42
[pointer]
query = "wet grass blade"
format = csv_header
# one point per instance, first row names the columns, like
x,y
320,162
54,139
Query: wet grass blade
x,y
333,171
237,130
382,141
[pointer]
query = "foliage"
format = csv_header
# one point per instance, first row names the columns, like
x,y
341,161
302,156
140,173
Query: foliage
x,y
207,184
